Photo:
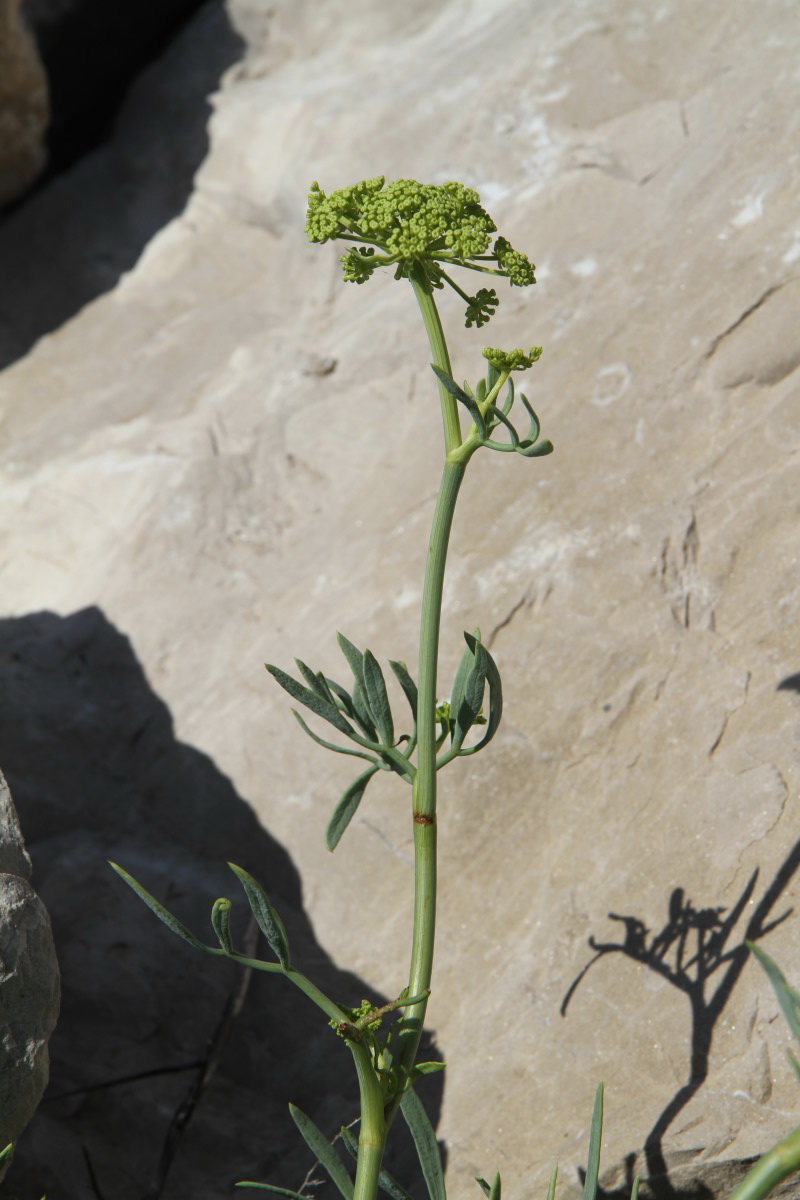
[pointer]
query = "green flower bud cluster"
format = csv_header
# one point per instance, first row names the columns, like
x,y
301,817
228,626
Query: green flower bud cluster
x,y
406,224
505,361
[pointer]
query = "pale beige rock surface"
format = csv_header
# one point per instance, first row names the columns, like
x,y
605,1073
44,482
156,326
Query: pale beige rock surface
x,y
181,454
24,108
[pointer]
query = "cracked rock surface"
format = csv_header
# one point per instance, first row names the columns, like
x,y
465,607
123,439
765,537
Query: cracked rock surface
x,y
231,454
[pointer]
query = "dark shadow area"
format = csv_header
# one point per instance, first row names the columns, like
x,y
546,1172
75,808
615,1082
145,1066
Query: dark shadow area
x,y
170,1071
790,684
700,953
92,50
70,240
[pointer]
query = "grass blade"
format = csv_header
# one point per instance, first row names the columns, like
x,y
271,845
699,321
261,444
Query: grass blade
x,y
595,1134
323,1151
268,920
788,998
162,913
425,1141
551,1191
270,1187
346,808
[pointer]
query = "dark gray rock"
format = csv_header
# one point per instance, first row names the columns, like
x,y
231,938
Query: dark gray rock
x,y
171,1071
92,50
29,982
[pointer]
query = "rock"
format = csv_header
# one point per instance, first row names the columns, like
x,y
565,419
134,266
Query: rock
x,y
159,1048
24,108
168,459
92,51
29,985
149,175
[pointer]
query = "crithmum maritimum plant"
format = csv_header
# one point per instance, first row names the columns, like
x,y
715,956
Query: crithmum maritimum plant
x,y
426,234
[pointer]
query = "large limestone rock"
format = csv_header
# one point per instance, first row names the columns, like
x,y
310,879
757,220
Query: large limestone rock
x,y
181,454
29,984
24,108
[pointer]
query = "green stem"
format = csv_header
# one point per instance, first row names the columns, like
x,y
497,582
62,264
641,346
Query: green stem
x,y
424,787
373,1128
768,1172
441,358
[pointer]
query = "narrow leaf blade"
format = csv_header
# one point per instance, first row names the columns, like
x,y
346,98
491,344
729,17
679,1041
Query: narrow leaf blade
x,y
595,1136
495,700
472,697
426,1068
270,1187
463,398
354,658
322,1150
329,745
551,1191
310,699
221,923
310,677
268,920
407,684
459,682
162,913
377,698
425,1141
502,419
788,998
346,808
540,450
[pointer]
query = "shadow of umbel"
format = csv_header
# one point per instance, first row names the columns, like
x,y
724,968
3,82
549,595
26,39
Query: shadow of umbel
x,y
170,1071
700,953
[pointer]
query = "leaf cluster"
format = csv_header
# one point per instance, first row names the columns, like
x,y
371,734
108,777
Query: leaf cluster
x,y
489,414
410,225
325,1153
266,917
363,714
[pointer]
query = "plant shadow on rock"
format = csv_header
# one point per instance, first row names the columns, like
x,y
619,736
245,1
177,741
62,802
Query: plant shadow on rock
x,y
699,953
170,1071
72,239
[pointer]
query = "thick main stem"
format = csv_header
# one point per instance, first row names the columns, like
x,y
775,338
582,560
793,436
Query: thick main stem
x,y
424,787
373,1127
375,1123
